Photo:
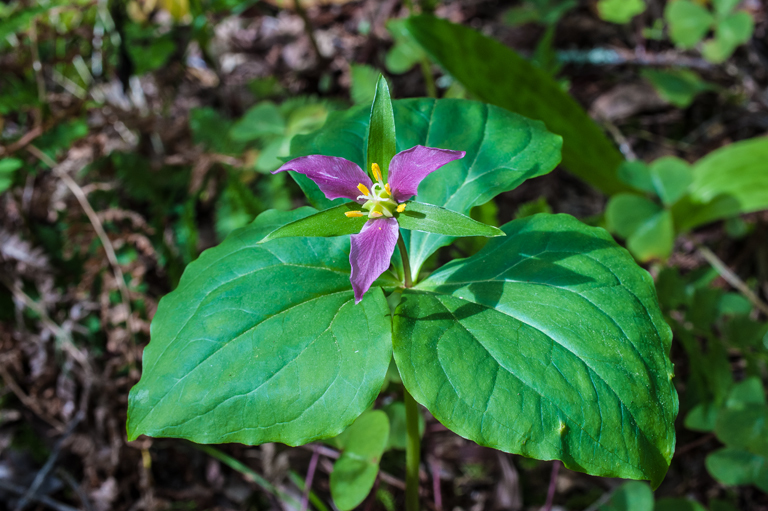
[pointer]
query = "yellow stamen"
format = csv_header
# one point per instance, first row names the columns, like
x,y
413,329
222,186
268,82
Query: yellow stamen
x,y
388,189
363,189
353,214
401,208
376,171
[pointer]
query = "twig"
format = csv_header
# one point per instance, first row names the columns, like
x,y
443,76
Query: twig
x,y
310,477
61,334
42,499
599,502
322,450
43,473
730,277
77,488
552,486
26,400
434,467
624,146
109,249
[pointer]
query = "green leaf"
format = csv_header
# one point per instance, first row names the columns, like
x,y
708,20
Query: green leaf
x,y
496,74
8,167
620,11
746,393
688,22
702,417
631,496
382,143
355,471
671,178
678,505
262,343
503,150
405,53
723,7
637,175
262,120
735,29
364,79
327,223
434,219
727,182
548,343
627,212
654,239
745,428
735,467
678,86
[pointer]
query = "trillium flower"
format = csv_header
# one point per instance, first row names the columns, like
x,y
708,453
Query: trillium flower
x,y
372,249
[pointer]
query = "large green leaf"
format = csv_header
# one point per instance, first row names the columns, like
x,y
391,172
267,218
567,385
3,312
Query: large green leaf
x,y
496,74
728,182
261,343
548,343
503,150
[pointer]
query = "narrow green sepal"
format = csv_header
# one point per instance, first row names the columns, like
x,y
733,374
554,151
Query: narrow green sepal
x,y
331,222
381,130
419,216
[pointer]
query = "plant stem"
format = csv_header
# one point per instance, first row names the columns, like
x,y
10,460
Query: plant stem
x,y
412,452
429,80
413,440
406,261
730,277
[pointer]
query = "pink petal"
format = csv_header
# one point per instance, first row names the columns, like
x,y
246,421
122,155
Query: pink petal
x,y
370,253
409,167
335,176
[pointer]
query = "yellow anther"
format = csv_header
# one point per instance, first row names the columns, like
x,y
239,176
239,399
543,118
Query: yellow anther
x,y
353,214
388,189
376,171
363,189
401,208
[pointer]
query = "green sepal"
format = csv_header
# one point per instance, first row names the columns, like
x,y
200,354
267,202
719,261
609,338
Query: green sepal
x,y
325,224
419,216
381,130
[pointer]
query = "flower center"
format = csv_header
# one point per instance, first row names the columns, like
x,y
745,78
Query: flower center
x,y
378,200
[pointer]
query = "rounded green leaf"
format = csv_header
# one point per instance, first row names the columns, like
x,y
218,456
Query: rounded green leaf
x,y
262,343
627,212
678,86
548,343
355,471
688,22
733,466
671,178
654,239
620,11
503,150
631,496
727,182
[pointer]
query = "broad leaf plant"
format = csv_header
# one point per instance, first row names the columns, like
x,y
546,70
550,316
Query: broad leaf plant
x,y
548,342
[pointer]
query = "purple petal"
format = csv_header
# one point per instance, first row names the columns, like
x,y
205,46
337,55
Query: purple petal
x,y
335,176
370,253
409,167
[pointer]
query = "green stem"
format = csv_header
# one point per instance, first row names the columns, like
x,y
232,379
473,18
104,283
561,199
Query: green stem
x,y
406,261
412,452
429,80
413,439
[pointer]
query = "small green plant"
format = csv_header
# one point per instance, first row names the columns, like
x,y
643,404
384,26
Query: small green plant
x,y
689,22
548,342
678,86
680,197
